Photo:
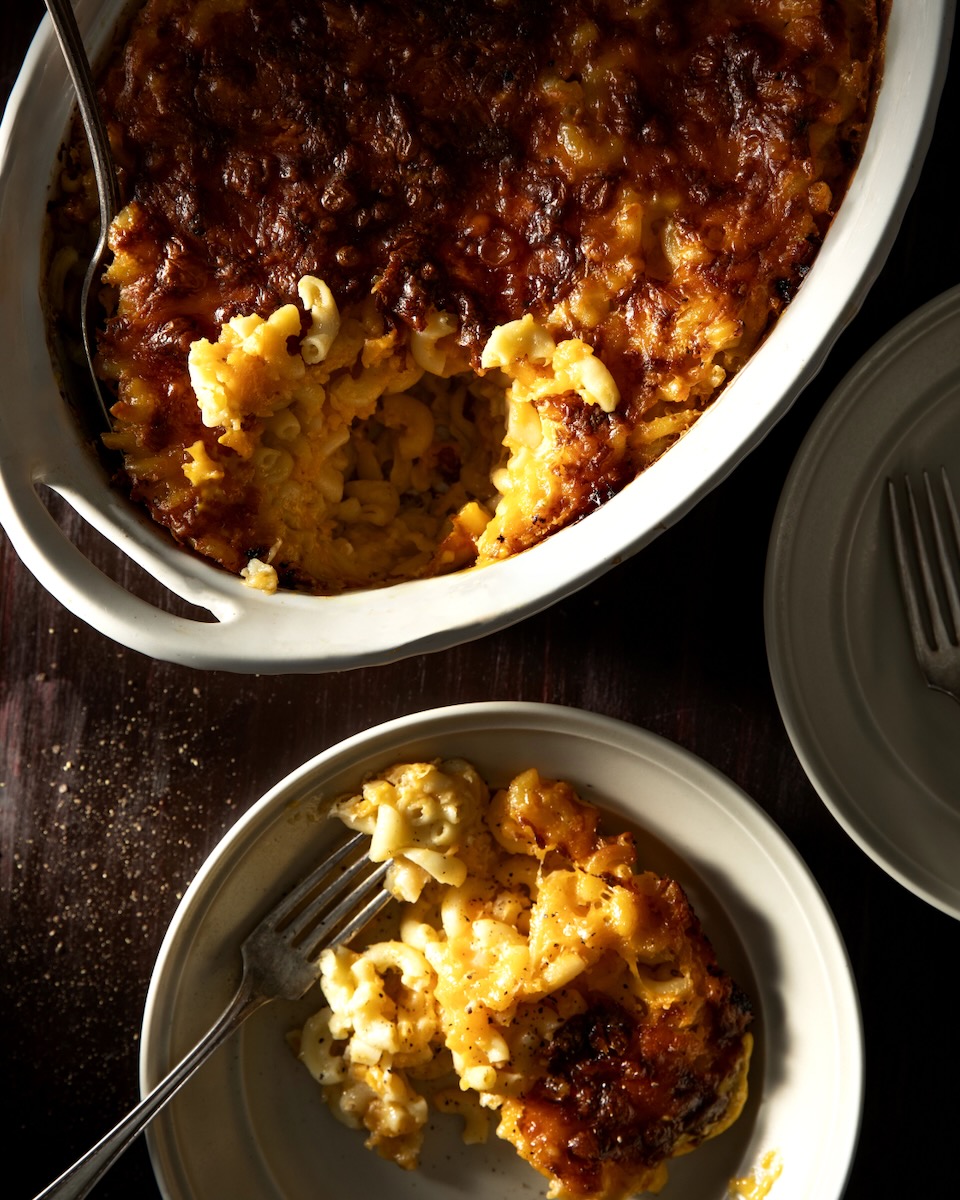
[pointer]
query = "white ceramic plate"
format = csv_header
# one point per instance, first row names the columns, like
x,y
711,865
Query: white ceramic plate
x,y
248,631
879,747
252,1125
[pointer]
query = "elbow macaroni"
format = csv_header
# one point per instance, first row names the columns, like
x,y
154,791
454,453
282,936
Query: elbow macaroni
x,y
553,290
517,919
337,429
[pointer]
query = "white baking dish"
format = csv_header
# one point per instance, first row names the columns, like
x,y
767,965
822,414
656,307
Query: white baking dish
x,y
40,446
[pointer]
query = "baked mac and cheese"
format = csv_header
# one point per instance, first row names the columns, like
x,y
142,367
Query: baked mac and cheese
x,y
405,287
532,980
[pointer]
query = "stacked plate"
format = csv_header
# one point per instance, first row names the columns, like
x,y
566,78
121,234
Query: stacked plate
x,y
879,746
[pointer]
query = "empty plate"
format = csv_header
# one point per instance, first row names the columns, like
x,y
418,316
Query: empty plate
x,y
880,748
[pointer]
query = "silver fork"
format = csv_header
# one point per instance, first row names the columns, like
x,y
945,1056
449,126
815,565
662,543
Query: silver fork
x,y
279,962
933,607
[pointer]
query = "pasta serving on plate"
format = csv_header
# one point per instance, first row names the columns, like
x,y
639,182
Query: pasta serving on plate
x,y
533,980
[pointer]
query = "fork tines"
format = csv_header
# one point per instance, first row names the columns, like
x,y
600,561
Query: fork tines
x,y
337,900
934,623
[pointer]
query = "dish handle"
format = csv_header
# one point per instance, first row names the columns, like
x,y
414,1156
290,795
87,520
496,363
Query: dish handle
x,y
57,562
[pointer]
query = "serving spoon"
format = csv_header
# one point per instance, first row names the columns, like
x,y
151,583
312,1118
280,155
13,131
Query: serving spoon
x,y
108,189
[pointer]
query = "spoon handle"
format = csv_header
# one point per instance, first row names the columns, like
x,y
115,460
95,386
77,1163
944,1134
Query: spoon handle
x,y
108,188
71,43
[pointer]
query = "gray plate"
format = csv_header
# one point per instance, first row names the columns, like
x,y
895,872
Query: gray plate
x,y
252,1125
879,747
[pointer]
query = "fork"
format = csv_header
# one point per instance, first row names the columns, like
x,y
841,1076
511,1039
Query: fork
x,y
935,620
279,961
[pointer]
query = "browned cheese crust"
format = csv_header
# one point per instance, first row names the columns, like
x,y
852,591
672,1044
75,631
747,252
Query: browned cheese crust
x,y
627,1084
576,997
653,178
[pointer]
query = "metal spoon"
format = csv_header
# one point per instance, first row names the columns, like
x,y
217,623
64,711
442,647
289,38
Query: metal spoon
x,y
108,189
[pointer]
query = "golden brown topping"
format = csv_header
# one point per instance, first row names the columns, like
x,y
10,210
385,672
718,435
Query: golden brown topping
x,y
648,183
618,1095
579,999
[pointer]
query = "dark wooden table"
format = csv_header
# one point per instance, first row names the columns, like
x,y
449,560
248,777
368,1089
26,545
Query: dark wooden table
x,y
119,774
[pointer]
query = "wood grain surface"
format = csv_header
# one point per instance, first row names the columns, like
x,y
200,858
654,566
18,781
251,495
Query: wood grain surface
x,y
119,774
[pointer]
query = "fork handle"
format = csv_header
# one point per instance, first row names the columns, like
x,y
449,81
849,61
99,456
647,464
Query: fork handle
x,y
77,1180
